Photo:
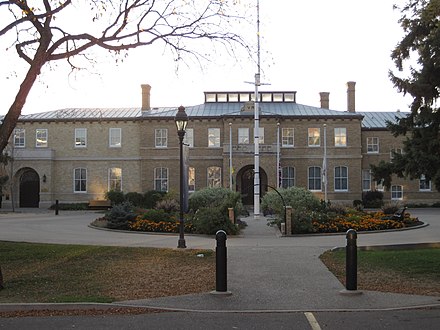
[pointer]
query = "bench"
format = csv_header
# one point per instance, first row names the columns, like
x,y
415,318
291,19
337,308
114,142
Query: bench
x,y
100,204
399,215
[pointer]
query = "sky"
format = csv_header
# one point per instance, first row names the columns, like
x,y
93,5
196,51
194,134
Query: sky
x,y
306,46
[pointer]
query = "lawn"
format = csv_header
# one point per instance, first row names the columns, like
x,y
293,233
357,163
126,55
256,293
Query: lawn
x,y
74,273
401,271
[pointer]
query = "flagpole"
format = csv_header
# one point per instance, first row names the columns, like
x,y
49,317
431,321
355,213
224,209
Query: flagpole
x,y
257,126
278,155
230,156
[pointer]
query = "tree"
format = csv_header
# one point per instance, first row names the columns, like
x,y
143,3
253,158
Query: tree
x,y
43,31
421,128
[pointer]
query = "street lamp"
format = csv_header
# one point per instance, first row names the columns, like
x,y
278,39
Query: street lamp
x,y
181,120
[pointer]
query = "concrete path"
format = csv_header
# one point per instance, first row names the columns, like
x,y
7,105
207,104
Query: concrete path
x,y
266,272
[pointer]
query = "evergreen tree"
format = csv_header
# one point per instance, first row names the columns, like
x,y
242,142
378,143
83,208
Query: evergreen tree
x,y
419,54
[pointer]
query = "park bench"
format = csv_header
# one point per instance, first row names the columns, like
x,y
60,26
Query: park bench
x,y
399,215
100,204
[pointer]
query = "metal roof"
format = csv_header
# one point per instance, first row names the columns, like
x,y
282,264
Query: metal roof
x,y
374,120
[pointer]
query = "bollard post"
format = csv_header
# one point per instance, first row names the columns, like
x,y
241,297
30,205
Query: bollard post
x,y
56,207
221,284
351,261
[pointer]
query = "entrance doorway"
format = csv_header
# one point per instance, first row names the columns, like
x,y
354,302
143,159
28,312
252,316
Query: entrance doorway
x,y
29,189
245,184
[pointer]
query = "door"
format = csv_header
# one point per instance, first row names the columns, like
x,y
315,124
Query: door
x,y
29,189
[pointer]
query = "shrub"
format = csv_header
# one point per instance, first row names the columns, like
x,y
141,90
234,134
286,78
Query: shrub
x,y
158,216
119,216
152,197
168,205
357,204
135,198
209,197
116,197
372,199
208,220
390,208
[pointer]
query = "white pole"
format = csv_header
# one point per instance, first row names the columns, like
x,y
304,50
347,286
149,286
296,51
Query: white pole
x,y
278,155
324,163
230,156
257,127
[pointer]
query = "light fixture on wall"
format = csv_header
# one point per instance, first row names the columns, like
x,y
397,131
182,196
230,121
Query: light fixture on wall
x,y
44,178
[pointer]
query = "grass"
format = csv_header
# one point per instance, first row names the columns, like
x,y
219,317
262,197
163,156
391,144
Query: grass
x,y
401,271
73,273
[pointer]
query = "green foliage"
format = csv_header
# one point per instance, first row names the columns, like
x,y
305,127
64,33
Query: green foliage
x,y
390,208
168,205
116,197
209,197
158,215
120,215
372,199
152,197
208,220
421,148
135,198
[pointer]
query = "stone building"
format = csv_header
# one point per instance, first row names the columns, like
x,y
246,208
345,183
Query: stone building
x,y
77,155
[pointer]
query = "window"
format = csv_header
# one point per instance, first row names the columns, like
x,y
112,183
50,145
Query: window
x,y
395,151
243,136
115,179
396,192
214,176
214,137
161,138
41,138
366,180
315,178
189,137
287,177
161,179
424,185
80,137
314,137
340,137
80,180
379,185
372,145
19,138
115,137
261,135
191,179
341,178
287,139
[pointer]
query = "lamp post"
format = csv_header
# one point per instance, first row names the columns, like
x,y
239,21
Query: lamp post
x,y
181,120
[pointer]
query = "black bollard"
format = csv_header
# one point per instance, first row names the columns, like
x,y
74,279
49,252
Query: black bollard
x,y
351,261
221,284
56,207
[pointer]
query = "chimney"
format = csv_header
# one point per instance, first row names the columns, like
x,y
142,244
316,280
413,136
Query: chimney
x,y
351,96
325,100
146,97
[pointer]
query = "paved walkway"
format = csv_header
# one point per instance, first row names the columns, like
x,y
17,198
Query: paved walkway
x,y
266,272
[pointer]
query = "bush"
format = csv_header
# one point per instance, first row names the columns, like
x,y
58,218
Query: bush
x,y
152,197
390,208
357,204
373,199
208,220
158,216
209,197
168,205
116,197
120,216
135,198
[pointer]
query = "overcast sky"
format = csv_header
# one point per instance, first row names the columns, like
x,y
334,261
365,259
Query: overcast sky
x,y
306,46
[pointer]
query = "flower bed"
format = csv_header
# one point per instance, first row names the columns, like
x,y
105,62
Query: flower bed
x,y
140,224
360,221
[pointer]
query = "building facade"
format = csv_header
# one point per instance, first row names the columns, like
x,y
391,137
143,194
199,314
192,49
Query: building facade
x,y
77,155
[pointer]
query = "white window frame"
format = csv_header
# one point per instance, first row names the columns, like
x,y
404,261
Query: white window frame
x,y
161,137
314,137
366,177
424,185
115,137
191,179
395,150
80,137
372,145
114,179
214,137
161,178
340,137
261,135
214,176
82,178
316,179
396,192
341,180
19,138
41,138
188,139
379,186
287,137
287,176
243,135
